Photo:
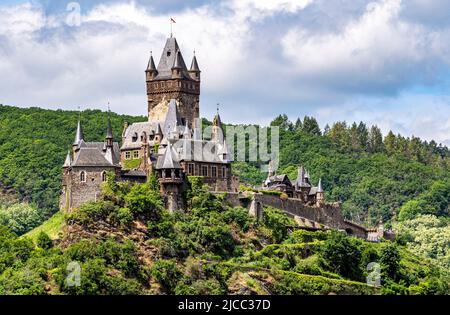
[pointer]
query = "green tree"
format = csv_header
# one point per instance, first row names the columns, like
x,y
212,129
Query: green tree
x,y
342,255
390,261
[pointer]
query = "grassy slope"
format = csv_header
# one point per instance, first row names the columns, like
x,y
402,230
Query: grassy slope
x,y
53,227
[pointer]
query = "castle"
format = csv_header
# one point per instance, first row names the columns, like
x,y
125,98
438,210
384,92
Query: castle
x,y
170,144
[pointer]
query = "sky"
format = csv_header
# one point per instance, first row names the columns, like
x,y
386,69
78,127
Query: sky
x,y
384,62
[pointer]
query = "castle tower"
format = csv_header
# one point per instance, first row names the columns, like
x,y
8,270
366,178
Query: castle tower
x,y
320,196
109,144
170,178
172,80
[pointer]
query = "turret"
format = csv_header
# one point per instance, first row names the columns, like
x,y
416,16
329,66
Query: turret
x,y
177,66
194,72
170,179
151,71
109,133
320,195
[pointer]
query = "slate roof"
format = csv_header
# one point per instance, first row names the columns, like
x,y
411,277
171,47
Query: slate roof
x,y
134,173
92,154
170,53
149,128
151,64
320,188
169,160
79,136
194,65
172,118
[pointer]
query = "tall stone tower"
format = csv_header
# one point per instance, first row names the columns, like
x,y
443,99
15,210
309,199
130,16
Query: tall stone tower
x,y
172,80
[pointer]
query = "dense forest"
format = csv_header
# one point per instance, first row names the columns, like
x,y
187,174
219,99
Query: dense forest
x,y
404,181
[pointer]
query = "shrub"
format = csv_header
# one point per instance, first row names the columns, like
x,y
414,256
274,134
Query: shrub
x,y
44,241
144,200
166,272
278,223
342,255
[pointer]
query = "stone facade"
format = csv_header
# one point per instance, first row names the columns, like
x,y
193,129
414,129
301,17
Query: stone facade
x,y
172,80
77,191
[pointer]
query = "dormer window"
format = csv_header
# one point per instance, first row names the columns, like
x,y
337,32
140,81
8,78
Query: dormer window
x,y
135,137
168,53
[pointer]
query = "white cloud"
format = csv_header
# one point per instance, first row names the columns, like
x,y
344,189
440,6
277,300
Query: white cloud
x,y
375,52
256,58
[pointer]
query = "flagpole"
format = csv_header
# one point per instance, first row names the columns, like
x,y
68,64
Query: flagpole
x,y
171,33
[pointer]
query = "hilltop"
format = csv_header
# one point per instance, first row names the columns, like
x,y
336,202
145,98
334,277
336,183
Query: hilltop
x,y
127,243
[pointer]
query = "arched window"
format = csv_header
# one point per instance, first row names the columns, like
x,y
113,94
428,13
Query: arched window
x,y
104,177
83,177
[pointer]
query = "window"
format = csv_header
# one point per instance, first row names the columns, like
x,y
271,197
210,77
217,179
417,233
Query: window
x,y
104,177
214,171
127,155
83,177
205,170
191,169
168,53
135,137
136,154
224,171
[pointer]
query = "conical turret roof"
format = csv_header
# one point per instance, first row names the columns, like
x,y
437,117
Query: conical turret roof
x,y
168,161
319,186
68,160
151,64
194,65
178,64
79,134
109,132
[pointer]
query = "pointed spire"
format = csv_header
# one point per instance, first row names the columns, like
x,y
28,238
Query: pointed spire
x,y
187,131
68,160
109,132
319,186
301,174
194,64
217,121
177,63
79,134
151,63
168,160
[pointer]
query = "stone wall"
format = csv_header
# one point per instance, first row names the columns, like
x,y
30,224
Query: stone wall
x,y
75,192
329,214
186,93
